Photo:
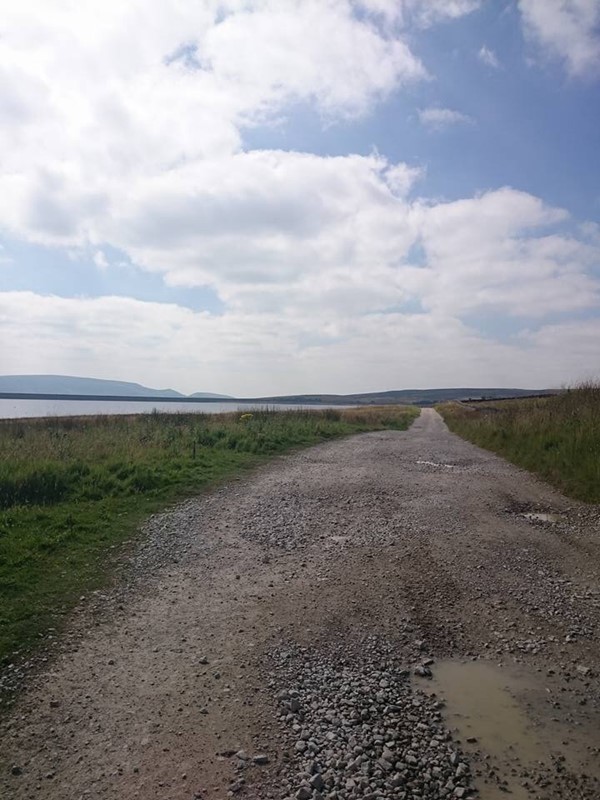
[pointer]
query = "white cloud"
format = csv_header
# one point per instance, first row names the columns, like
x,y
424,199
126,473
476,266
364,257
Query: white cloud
x,y
91,111
80,91
567,29
390,10
137,143
100,260
421,12
336,295
254,221
428,12
313,50
488,57
166,345
436,118
400,178
493,252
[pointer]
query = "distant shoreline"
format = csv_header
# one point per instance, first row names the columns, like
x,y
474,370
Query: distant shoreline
x,y
427,398
118,398
287,401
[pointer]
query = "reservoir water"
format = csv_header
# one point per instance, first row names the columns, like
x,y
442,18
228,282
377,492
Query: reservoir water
x,y
19,409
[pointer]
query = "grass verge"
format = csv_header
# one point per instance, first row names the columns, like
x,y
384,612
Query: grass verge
x,y
556,437
72,490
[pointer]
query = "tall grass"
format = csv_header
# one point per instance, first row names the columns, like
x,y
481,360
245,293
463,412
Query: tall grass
x,y
73,489
556,437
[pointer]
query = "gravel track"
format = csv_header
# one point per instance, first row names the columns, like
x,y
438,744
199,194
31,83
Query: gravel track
x,y
286,636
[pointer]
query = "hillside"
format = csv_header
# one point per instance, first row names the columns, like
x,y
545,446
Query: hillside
x,y
414,396
66,384
96,387
211,396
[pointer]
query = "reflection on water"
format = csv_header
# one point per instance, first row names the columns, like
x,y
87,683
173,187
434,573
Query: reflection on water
x,y
540,516
10,409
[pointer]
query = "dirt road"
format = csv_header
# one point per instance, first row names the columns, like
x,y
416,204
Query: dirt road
x,y
266,639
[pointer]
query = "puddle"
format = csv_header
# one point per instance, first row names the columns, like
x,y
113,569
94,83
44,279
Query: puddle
x,y
482,702
478,694
338,539
540,516
436,464
529,512
479,704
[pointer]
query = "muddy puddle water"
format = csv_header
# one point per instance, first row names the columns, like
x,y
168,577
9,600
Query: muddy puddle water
x,y
481,705
540,516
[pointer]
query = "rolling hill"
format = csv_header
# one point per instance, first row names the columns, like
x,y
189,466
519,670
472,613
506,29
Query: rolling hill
x,y
410,396
66,384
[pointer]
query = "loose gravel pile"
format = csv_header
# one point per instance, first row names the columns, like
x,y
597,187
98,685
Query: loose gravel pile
x,y
358,729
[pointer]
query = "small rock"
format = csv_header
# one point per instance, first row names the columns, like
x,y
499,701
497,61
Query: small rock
x,y
317,782
422,671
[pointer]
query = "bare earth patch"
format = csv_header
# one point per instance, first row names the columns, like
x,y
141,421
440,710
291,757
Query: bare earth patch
x,y
275,638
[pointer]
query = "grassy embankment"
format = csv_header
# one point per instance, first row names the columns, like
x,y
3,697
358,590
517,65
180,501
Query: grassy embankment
x,y
73,489
556,437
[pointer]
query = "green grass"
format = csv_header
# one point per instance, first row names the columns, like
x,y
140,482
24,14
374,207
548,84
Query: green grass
x,y
557,437
73,490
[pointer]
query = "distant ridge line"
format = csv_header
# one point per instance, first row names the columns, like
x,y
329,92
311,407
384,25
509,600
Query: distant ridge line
x,y
115,398
549,393
393,397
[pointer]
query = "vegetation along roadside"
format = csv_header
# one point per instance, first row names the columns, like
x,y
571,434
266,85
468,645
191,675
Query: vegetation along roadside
x,y
556,437
73,489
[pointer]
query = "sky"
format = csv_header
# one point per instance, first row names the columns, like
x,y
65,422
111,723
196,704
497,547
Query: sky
x,y
261,197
